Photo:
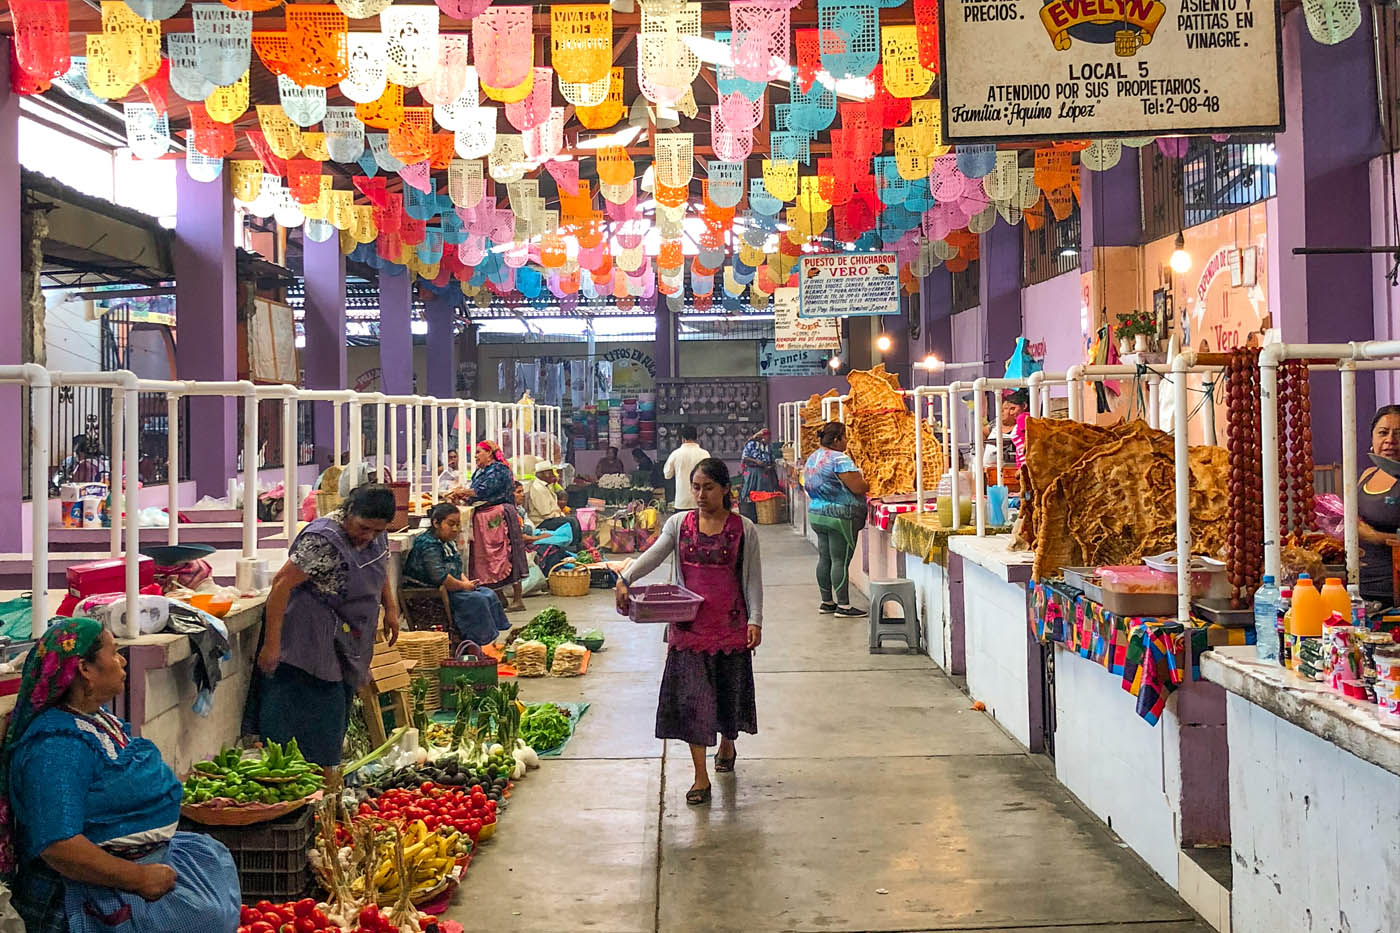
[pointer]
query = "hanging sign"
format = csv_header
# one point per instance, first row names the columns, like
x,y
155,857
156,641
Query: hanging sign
x,y
792,332
1076,69
840,285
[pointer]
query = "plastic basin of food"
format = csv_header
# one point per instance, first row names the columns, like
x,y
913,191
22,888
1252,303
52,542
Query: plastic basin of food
x,y
664,602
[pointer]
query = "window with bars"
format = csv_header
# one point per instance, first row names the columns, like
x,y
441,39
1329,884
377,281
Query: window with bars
x,y
967,288
1052,250
1212,179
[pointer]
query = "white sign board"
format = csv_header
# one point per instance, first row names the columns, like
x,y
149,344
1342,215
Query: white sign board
x,y
1074,69
791,332
848,285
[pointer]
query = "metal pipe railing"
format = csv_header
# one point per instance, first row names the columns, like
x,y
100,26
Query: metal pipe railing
x,y
40,384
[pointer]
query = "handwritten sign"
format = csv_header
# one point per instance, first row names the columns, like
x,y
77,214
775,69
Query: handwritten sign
x,y
1076,69
791,332
840,285
775,362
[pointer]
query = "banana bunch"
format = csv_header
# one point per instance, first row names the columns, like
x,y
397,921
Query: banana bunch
x,y
428,858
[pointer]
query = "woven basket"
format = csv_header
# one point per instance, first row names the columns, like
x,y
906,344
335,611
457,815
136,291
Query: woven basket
x,y
770,511
429,649
570,582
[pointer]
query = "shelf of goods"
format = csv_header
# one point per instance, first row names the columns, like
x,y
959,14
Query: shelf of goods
x,y
725,411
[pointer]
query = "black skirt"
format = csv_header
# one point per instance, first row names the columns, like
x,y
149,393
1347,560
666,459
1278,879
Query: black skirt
x,y
704,694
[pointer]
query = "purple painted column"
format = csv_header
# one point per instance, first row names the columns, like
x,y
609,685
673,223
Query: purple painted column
x,y
323,270
936,306
396,341
206,333
441,313
896,326
1324,192
12,523
665,336
1110,208
999,269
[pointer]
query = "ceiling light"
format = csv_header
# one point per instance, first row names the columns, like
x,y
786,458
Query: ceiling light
x,y
883,343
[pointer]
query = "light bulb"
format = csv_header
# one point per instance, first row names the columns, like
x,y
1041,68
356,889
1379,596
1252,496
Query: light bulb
x,y
931,362
883,343
834,362
1180,260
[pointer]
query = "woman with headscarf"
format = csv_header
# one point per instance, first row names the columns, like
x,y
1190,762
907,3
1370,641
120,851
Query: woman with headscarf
x,y
319,630
760,471
87,823
498,556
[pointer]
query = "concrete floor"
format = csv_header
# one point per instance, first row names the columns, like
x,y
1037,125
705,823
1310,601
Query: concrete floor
x,y
873,798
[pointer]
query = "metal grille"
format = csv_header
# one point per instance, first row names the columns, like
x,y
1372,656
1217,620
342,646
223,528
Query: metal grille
x,y
1211,180
967,288
1051,250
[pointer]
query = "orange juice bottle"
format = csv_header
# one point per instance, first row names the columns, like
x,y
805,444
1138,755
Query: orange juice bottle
x,y
1309,611
1335,597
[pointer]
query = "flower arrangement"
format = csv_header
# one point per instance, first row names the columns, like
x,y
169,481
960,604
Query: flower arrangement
x,y
1139,323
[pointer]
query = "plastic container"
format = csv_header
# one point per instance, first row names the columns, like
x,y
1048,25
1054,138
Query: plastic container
x,y
1309,611
270,857
1266,602
664,602
1137,591
1336,598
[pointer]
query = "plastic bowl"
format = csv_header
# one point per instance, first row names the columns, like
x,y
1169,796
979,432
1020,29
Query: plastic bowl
x,y
592,644
205,602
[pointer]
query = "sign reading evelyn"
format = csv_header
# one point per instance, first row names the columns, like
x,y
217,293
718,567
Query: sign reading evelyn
x,y
848,285
1074,69
791,332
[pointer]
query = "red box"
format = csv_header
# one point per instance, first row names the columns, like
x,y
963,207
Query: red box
x,y
107,576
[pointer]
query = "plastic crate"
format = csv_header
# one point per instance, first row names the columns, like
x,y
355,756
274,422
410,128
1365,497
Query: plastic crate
x,y
270,857
664,602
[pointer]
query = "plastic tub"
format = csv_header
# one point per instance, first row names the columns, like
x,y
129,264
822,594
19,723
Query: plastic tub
x,y
664,602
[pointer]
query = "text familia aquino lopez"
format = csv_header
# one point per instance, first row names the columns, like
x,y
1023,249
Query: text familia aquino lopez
x,y
1079,63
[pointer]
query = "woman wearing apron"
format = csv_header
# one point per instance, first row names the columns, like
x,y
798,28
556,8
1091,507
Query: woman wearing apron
x,y
1378,506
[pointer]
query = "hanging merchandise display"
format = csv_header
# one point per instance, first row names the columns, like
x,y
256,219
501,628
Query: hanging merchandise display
x,y
147,132
475,135
367,70
852,48
452,74
504,50
344,134
903,72
666,63
185,77
229,102
207,136
466,182
41,37
304,106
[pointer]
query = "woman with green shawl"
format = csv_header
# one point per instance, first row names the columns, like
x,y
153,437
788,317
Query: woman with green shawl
x,y
87,823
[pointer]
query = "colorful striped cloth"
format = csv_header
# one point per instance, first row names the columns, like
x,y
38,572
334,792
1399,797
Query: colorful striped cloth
x,y
1148,653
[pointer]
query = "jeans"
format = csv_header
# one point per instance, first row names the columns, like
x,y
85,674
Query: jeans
x,y
836,546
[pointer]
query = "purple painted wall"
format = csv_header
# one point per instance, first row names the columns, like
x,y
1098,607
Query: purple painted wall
x,y
396,342
1323,189
11,320
999,266
324,357
665,340
1051,312
936,306
441,312
206,341
1110,208
798,388
1385,297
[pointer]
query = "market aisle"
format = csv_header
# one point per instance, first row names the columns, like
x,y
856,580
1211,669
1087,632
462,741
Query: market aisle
x,y
870,774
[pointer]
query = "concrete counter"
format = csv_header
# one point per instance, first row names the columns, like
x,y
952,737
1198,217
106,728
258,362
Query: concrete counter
x,y
1314,781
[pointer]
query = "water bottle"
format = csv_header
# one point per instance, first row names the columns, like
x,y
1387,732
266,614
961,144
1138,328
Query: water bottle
x,y
1358,607
1266,602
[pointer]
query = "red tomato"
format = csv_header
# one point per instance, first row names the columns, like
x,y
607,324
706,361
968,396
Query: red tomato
x,y
248,915
305,925
473,828
243,929
264,905
304,907
426,787
476,789
262,926
491,806
490,818
322,921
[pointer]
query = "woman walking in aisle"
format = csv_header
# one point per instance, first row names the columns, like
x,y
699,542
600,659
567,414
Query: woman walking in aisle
x,y
835,503
498,556
707,687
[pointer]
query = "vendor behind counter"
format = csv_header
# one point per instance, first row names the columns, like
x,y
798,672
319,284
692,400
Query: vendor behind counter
x,y
1378,508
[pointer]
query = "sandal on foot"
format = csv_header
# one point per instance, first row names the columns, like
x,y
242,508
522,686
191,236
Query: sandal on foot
x,y
697,795
725,765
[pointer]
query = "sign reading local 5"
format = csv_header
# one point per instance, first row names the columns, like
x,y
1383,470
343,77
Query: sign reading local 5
x,y
1077,69
848,284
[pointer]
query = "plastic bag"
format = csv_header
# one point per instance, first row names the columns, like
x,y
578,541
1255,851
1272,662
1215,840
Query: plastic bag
x,y
1329,516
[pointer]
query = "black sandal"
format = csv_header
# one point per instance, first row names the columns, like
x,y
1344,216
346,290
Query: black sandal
x,y
725,765
697,795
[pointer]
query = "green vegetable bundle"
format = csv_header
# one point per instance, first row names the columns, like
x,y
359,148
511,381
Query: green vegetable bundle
x,y
551,623
543,727
278,775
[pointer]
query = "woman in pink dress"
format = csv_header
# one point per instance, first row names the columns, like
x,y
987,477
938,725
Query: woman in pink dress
x,y
707,688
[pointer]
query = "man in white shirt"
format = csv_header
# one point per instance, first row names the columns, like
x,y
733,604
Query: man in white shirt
x,y
449,479
543,506
682,463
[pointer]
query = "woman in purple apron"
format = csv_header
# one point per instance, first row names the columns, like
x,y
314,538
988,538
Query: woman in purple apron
x,y
319,631
707,687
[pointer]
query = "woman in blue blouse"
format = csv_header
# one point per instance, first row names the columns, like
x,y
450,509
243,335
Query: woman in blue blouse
x,y
434,560
87,828
760,472
498,556
835,504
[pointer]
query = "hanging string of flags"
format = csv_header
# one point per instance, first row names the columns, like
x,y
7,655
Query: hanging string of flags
x,y
664,195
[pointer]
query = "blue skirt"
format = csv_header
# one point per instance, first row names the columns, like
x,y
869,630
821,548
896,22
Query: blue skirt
x,y
315,712
477,615
206,894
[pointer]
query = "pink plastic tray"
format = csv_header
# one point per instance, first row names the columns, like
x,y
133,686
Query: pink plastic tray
x,y
664,602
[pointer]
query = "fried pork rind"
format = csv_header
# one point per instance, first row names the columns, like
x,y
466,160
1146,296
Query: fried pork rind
x,y
812,421
1116,502
880,434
